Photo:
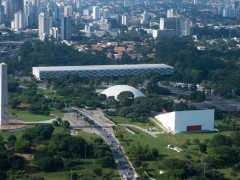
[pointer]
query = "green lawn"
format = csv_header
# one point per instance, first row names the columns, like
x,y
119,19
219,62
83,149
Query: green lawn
x,y
227,173
161,142
122,120
84,168
50,93
5,134
87,136
58,112
60,130
27,116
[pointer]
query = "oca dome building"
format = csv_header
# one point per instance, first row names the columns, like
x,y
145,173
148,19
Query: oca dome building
x,y
101,70
188,121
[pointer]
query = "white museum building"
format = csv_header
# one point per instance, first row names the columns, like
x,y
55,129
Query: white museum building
x,y
187,121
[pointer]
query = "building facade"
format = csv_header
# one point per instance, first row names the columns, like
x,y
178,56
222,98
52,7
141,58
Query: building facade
x,y
66,28
44,25
101,70
188,121
96,13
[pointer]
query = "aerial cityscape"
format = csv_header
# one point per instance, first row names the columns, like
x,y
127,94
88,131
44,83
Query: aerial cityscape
x,y
119,90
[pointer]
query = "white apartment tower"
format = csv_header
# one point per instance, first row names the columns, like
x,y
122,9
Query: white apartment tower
x,y
19,21
44,25
161,24
124,20
172,13
96,13
3,95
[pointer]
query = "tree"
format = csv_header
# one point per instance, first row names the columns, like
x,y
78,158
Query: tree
x,y
223,155
22,146
46,164
155,152
65,124
107,161
55,123
234,174
202,147
98,171
16,174
196,141
14,103
219,140
12,138
45,131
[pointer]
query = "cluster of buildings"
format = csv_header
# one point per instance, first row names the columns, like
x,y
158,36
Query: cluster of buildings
x,y
172,122
227,9
173,25
116,50
54,18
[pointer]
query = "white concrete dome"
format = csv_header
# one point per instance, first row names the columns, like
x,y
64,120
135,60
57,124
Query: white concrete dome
x,y
116,90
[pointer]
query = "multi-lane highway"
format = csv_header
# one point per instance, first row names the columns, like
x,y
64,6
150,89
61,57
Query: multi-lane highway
x,y
103,126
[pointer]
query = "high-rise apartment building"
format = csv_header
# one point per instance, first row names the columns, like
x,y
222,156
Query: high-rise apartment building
x,y
54,32
19,21
124,20
96,13
2,15
172,13
44,25
161,24
28,11
14,6
66,28
68,11
184,26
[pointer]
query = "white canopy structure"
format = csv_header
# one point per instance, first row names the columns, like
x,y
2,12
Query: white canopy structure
x,y
116,90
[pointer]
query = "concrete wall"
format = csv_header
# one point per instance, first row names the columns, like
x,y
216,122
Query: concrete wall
x,y
167,120
179,120
192,118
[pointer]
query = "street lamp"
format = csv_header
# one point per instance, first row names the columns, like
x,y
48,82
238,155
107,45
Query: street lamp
x,y
85,153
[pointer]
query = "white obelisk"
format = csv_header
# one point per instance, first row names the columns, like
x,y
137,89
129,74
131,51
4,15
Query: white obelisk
x,y
3,95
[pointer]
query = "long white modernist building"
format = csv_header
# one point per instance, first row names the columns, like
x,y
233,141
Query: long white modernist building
x,y
101,70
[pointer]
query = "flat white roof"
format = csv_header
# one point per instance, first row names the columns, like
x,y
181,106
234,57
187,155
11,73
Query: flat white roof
x,y
101,67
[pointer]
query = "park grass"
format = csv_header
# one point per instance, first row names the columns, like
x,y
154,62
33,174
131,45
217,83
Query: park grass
x,y
227,173
162,140
88,136
61,130
85,168
59,113
5,134
49,93
27,116
123,120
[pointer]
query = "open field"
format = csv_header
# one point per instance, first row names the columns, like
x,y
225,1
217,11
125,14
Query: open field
x,y
80,170
191,150
87,136
122,120
27,116
5,134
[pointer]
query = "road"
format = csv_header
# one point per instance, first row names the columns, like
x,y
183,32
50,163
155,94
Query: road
x,y
103,126
211,100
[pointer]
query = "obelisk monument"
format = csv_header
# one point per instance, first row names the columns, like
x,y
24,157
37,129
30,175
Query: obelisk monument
x,y
3,95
